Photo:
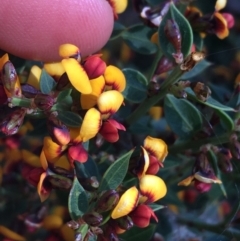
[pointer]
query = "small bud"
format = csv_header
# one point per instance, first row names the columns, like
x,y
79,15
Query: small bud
x,y
164,65
89,184
9,76
44,102
94,66
107,201
58,181
235,149
58,131
173,35
73,224
13,121
125,222
93,219
29,91
201,90
224,160
192,60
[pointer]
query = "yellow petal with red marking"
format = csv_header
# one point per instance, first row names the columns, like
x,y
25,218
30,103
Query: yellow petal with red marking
x,y
31,159
146,163
77,75
152,187
43,192
109,102
69,50
114,78
156,147
34,77
221,30
51,149
55,69
126,204
9,234
91,124
119,5
88,101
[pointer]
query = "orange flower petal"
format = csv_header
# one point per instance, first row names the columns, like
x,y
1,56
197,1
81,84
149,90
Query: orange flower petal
x,y
114,78
56,69
153,187
156,112
109,102
75,134
7,233
221,26
63,163
3,60
156,147
43,161
30,158
34,77
88,101
69,50
51,149
52,222
77,75
186,182
43,192
126,204
91,124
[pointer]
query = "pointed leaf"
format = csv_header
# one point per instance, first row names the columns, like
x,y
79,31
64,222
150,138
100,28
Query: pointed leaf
x,y
185,29
136,88
155,207
118,28
47,83
115,174
137,37
225,119
182,116
77,200
69,118
65,96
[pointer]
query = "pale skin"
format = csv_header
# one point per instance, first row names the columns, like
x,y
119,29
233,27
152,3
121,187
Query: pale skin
x,y
34,29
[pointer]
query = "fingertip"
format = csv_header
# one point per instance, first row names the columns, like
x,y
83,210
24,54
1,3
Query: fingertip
x,y
35,29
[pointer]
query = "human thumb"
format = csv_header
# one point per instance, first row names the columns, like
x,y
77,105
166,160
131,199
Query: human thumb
x,y
35,29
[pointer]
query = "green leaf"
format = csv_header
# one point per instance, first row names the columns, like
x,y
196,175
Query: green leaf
x,y
155,2
87,169
198,69
65,96
198,41
185,30
137,37
210,102
69,118
47,83
136,88
182,116
225,120
77,200
139,234
115,174
118,28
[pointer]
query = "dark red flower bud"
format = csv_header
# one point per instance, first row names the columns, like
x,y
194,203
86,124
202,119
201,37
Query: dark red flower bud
x,y
164,65
12,122
224,160
29,91
94,66
58,181
63,82
93,219
44,102
141,215
201,186
107,201
235,149
90,184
